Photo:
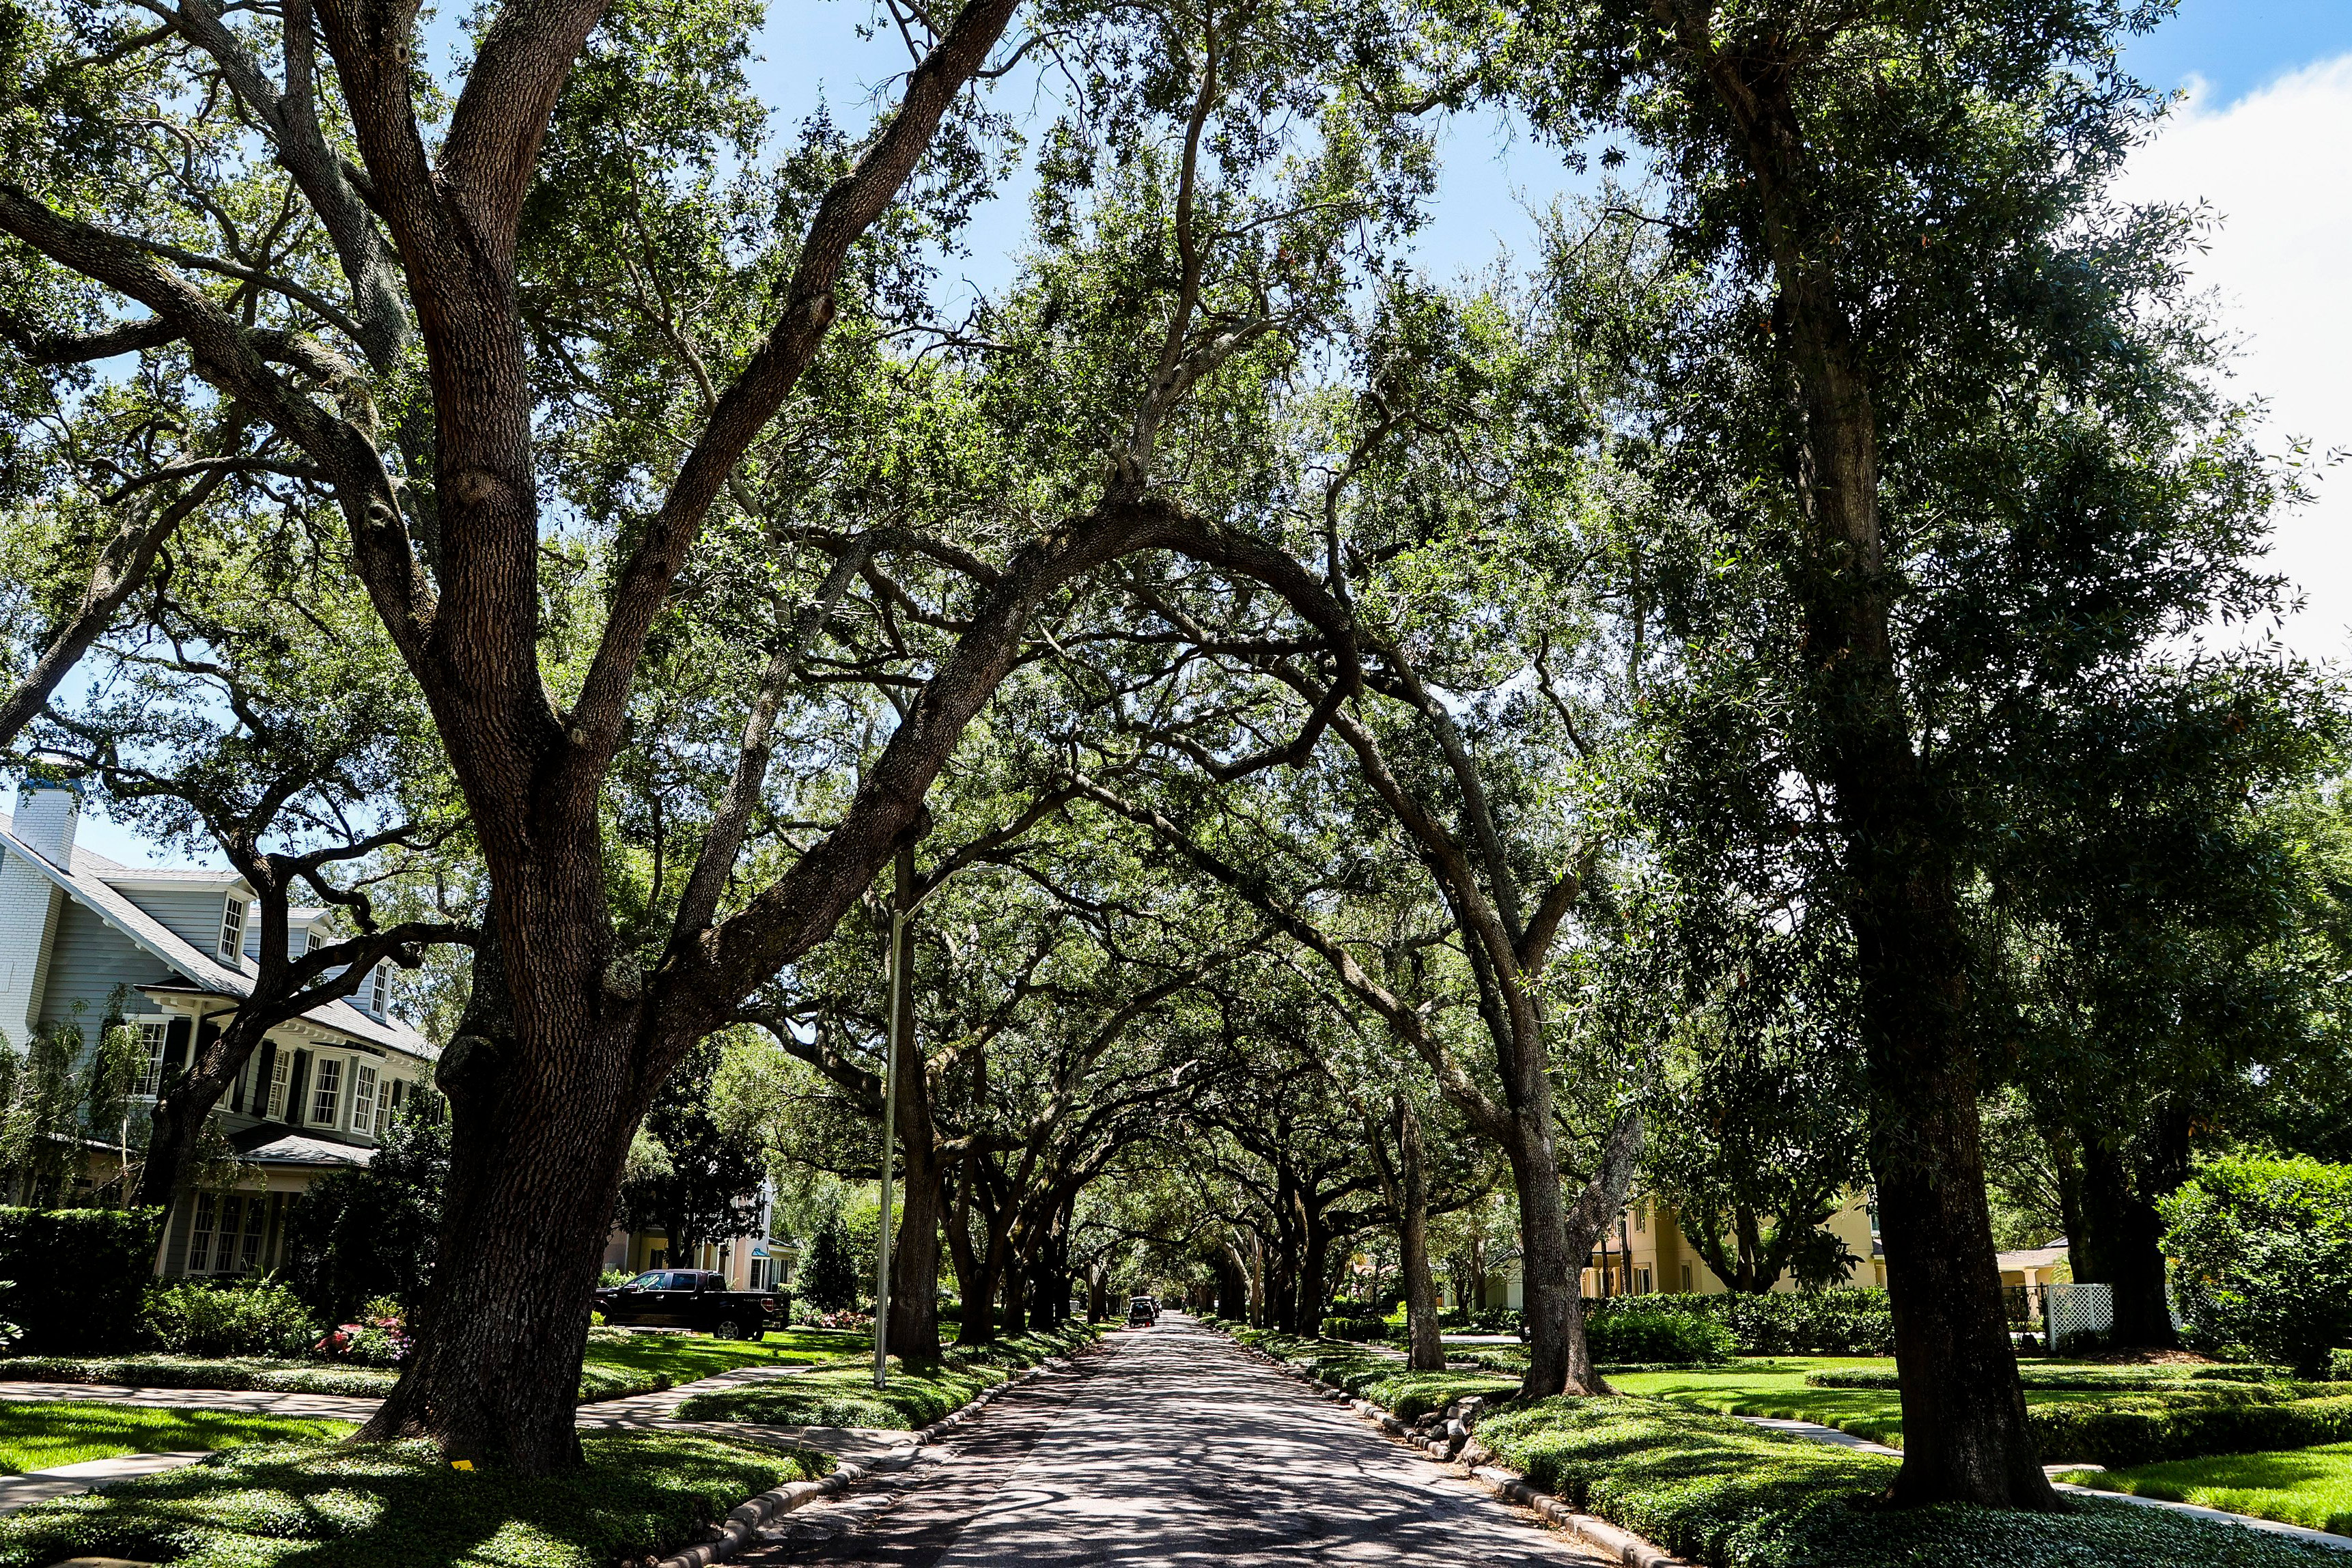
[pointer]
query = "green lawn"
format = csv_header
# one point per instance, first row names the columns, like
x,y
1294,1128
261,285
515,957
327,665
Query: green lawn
x,y
1776,1386
2307,1486
686,1358
42,1435
397,1505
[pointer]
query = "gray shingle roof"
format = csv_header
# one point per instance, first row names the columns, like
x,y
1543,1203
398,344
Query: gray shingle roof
x,y
88,884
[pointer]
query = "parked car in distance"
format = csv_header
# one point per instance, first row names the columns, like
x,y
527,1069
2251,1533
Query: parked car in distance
x,y
692,1299
1143,1313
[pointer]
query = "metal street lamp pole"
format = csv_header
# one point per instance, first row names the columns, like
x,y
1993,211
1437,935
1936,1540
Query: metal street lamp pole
x,y
890,1143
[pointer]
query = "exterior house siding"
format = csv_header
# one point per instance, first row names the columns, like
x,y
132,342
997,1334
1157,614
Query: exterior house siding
x,y
193,914
78,929
87,960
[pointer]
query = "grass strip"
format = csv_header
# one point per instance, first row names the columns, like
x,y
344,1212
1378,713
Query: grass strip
x,y
609,1371
683,1358
917,1395
1724,1494
397,1505
2311,1487
40,1435
242,1372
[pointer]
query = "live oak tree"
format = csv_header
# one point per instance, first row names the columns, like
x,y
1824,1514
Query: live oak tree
x,y
462,369
251,709
2152,899
1454,493
1936,410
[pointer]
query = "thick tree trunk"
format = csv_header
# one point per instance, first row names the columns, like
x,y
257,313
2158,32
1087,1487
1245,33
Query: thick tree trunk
x,y
2122,1247
1016,1297
914,1328
1313,1280
535,1162
1425,1350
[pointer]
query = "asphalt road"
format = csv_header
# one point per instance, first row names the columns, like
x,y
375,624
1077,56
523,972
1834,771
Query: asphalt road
x,y
1167,1446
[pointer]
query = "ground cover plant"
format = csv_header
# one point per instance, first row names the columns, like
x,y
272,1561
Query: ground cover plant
x,y
916,1395
39,1435
1365,1374
2078,1413
2310,1487
1724,1494
399,1505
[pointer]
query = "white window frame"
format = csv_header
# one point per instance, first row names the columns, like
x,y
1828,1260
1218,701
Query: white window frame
x,y
281,1072
363,1082
231,946
380,988
326,1090
154,1040
200,1234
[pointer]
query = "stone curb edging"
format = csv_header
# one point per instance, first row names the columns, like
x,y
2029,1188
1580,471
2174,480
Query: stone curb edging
x,y
745,1520
1450,1447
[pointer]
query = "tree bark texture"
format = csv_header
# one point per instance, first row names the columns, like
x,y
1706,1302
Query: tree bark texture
x,y
1425,1350
914,1330
2122,1245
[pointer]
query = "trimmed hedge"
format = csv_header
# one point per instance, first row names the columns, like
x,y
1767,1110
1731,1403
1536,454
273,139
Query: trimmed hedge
x,y
2092,1380
1356,1327
1846,1320
78,1276
1727,1495
2122,1433
1648,1336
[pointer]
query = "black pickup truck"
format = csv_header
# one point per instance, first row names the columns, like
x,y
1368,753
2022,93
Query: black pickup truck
x,y
690,1298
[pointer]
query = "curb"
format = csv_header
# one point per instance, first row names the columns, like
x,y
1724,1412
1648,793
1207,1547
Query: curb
x,y
1453,1439
745,1519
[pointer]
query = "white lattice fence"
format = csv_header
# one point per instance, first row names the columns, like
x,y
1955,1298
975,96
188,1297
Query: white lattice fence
x,y
2073,1311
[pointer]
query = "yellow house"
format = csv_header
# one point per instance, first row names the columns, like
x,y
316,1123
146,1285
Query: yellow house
x,y
1645,1253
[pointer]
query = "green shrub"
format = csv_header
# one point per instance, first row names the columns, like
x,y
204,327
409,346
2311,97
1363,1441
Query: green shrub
x,y
1616,1334
1724,1494
358,1234
1846,1320
79,1275
198,1318
1355,1328
2122,1433
2262,1247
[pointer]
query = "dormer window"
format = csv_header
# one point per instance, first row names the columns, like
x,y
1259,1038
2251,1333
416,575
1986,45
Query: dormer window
x,y
232,935
380,988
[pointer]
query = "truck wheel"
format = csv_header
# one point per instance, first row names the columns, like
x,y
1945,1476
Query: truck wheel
x,y
727,1329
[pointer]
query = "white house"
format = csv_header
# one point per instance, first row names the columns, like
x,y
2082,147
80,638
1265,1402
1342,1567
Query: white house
x,y
78,929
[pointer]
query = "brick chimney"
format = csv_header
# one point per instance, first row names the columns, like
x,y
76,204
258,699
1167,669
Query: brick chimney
x,y
47,817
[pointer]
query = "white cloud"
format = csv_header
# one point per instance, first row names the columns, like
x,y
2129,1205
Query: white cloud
x,y
2276,168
